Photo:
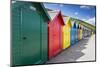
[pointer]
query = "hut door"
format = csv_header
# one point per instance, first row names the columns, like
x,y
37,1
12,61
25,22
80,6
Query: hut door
x,y
30,35
57,45
31,44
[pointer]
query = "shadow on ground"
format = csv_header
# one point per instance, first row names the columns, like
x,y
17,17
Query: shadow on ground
x,y
71,54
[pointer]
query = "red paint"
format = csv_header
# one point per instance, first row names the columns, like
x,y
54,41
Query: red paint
x,y
78,34
55,35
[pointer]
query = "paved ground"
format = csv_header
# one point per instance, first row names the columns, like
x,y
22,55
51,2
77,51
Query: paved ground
x,y
84,50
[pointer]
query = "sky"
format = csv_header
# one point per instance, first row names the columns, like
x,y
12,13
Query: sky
x,y
82,12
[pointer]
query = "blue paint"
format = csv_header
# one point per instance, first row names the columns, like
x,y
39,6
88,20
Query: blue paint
x,y
73,34
76,34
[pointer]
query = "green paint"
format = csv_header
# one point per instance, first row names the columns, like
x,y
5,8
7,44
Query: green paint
x,y
29,34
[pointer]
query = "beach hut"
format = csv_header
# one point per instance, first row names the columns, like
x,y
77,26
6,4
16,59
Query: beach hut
x,y
55,33
78,32
66,33
73,34
29,33
84,32
81,31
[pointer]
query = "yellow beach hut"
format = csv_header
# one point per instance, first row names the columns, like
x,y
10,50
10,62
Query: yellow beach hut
x,y
66,32
81,32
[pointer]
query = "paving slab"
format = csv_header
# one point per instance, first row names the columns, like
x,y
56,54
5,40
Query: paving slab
x,y
83,50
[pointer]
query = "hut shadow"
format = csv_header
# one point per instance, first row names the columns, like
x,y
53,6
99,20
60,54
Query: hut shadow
x,y
71,54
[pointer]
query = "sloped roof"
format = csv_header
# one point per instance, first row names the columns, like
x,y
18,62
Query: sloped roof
x,y
81,27
68,21
65,18
73,23
85,24
42,8
55,13
74,26
61,18
52,13
78,26
37,6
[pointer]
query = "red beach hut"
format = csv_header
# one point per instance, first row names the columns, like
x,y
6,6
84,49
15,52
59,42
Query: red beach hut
x,y
79,32
55,34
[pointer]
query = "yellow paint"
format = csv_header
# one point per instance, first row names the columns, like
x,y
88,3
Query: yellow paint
x,y
92,33
80,34
66,34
